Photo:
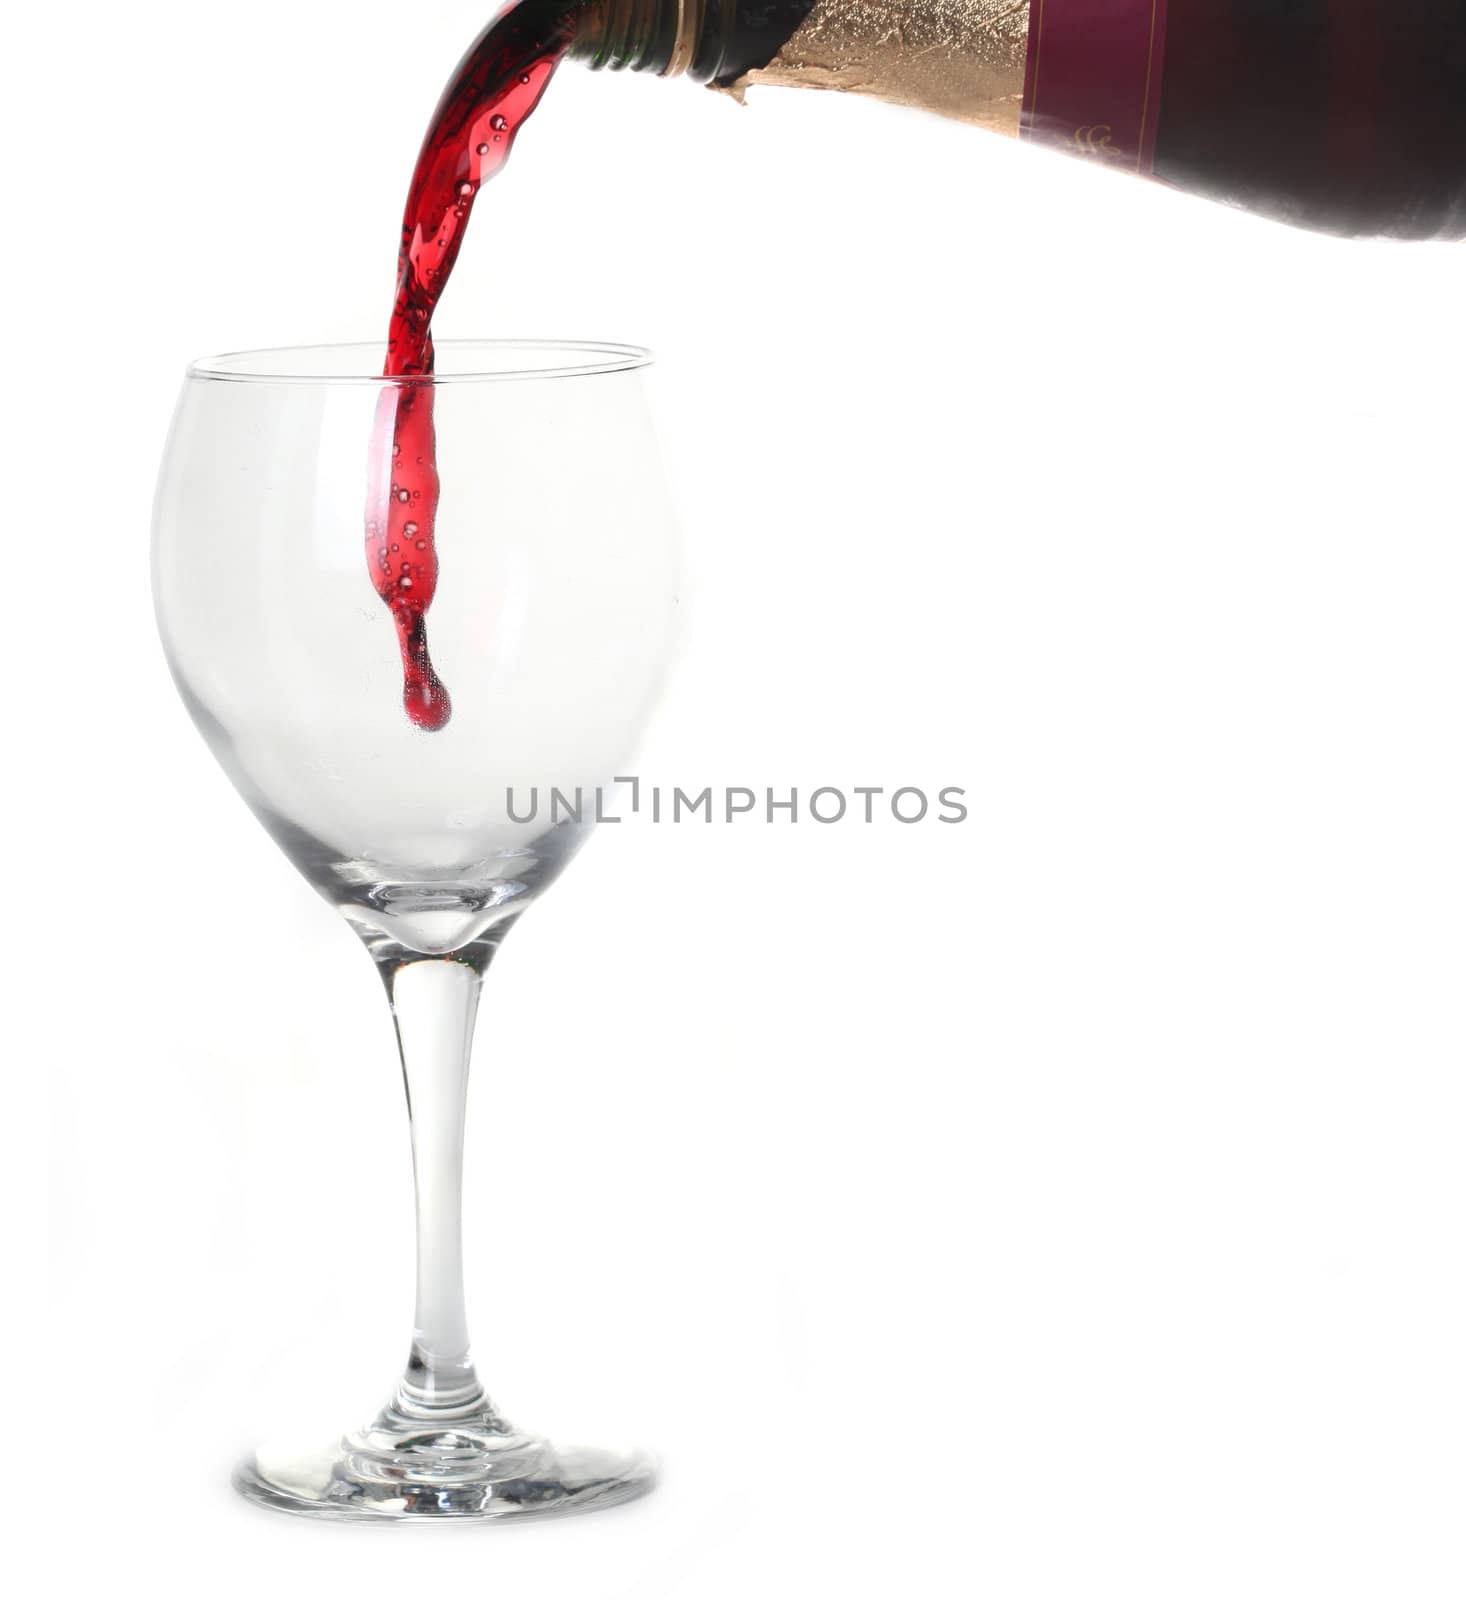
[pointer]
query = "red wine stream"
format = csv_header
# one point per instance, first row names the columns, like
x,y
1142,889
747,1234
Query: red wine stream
x,y
495,87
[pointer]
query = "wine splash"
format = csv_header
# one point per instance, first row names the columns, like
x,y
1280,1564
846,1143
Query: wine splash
x,y
495,88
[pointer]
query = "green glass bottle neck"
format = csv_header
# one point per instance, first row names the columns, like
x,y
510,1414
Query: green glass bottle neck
x,y
711,41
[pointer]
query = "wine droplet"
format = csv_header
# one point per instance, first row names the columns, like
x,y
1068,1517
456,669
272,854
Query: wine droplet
x,y
426,701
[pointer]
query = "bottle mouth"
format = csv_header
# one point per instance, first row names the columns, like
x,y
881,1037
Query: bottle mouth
x,y
711,41
641,36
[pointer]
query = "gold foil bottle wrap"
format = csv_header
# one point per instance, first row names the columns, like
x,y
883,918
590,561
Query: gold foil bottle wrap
x,y
959,58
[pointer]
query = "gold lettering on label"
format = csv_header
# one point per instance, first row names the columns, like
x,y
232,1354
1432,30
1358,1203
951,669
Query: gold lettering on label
x,y
1095,140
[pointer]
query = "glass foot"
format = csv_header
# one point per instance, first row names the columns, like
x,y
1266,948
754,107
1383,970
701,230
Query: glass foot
x,y
467,1472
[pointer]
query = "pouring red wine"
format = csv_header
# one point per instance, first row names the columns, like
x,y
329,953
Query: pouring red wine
x,y
1342,115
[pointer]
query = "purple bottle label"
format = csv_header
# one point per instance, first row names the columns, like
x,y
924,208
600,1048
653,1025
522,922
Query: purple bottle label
x,y
1093,82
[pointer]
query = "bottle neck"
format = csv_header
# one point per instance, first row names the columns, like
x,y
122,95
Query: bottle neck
x,y
711,41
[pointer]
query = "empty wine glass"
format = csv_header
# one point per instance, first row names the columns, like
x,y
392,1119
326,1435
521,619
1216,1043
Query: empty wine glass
x,y
552,624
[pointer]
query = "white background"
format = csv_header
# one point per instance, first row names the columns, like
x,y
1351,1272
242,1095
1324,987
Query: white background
x,y
1068,1203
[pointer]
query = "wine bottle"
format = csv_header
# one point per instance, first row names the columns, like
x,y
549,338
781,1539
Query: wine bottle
x,y
1347,116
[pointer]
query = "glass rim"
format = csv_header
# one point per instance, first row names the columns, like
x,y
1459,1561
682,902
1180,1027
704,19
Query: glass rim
x,y
465,361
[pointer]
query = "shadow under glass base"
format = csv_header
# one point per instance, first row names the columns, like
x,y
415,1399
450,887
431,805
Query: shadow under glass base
x,y
468,1472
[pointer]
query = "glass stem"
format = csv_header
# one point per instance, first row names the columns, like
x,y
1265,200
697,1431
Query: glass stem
x,y
434,1002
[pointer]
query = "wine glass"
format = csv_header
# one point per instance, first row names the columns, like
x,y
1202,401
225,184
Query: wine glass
x,y
553,575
